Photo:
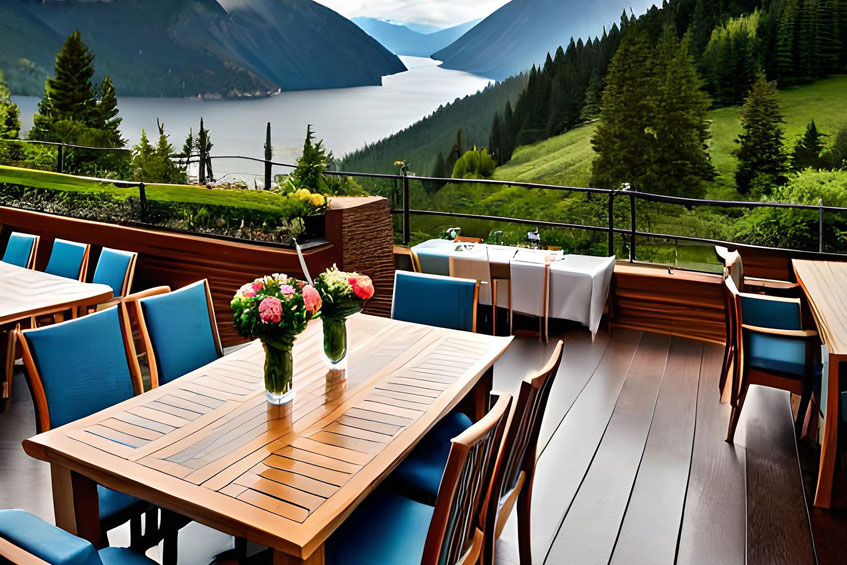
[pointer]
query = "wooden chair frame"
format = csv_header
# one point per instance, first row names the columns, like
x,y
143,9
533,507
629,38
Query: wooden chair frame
x,y
416,262
453,485
145,333
15,554
732,261
730,355
743,376
517,457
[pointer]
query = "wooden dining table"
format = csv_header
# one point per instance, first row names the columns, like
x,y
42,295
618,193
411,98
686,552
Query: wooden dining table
x,y
210,447
26,293
825,286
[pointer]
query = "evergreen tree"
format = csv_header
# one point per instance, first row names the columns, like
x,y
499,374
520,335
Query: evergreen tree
x,y
10,122
143,160
311,164
474,164
69,96
678,161
761,151
835,158
108,120
439,170
731,60
495,141
786,42
593,98
203,147
807,152
622,138
456,151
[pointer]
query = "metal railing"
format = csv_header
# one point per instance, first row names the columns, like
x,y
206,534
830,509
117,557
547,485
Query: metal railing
x,y
406,211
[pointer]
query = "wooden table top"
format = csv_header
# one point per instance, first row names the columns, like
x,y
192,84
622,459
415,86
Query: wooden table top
x,y
825,285
25,293
210,447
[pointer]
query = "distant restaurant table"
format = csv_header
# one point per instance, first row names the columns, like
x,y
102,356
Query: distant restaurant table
x,y
25,293
825,286
210,447
578,286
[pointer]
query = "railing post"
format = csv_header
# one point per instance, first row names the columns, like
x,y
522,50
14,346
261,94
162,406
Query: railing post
x,y
406,205
611,223
268,157
60,158
202,144
142,200
820,226
632,227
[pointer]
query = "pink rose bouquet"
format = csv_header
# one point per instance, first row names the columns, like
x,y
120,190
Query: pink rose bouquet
x,y
275,309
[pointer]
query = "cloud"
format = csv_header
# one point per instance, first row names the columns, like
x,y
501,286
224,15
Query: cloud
x,y
440,13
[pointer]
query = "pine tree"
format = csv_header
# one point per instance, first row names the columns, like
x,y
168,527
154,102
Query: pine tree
x,y
786,42
825,40
311,164
10,122
835,158
143,159
761,151
807,152
622,139
593,98
69,96
807,29
203,147
107,109
495,142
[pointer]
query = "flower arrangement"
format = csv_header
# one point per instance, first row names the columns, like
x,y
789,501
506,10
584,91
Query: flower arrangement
x,y
275,309
342,294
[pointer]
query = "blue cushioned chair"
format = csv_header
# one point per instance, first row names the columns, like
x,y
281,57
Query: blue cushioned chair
x,y
420,474
68,259
433,256
391,529
435,300
179,331
115,268
21,250
77,368
773,350
24,537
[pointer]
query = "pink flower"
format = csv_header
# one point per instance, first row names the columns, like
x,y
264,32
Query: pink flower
x,y
258,285
270,310
287,290
249,293
363,287
312,299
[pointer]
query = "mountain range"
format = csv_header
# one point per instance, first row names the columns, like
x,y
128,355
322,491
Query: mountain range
x,y
522,32
210,48
403,40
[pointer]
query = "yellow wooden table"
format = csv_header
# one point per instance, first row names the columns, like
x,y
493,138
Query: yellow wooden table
x,y
825,286
25,293
210,447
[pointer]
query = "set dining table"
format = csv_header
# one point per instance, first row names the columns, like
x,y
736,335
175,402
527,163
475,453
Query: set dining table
x,y
209,447
544,283
26,293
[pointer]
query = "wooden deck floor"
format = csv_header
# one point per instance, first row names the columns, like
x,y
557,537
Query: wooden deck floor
x,y
633,468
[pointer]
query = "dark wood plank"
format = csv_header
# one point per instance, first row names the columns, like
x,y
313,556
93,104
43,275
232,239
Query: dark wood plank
x,y
651,526
714,519
589,530
569,453
777,520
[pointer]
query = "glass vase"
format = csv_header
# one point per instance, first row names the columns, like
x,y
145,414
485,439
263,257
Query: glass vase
x,y
279,374
335,342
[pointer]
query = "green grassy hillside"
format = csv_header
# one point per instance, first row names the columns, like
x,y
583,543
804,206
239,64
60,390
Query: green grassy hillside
x,y
567,159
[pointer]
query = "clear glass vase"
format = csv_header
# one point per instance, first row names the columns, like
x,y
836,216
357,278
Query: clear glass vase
x,y
279,374
335,342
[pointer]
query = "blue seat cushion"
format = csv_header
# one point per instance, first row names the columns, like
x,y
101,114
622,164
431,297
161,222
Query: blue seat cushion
x,y
19,249
113,502
123,556
770,313
181,331
434,300
386,529
45,541
777,354
66,259
111,269
419,475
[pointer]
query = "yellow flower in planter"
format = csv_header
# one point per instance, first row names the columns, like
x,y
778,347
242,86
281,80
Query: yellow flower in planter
x,y
317,200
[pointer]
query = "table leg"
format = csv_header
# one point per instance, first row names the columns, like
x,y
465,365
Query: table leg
x,y
75,504
282,558
482,394
829,446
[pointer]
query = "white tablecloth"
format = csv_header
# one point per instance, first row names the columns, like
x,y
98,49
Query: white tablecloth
x,y
579,289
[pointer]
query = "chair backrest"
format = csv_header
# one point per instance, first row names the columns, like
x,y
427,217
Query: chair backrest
x,y
25,538
21,250
722,253
518,453
115,268
770,311
435,300
455,532
81,366
179,331
68,259
729,304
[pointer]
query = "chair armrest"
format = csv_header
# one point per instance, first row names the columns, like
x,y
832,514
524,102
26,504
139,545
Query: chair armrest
x,y
796,334
771,284
145,293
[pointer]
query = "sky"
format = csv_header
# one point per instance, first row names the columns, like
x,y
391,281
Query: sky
x,y
441,13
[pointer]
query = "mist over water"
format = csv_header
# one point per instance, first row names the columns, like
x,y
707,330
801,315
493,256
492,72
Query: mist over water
x,y
345,118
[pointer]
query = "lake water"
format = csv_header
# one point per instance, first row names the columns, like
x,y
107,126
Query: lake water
x,y
344,118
